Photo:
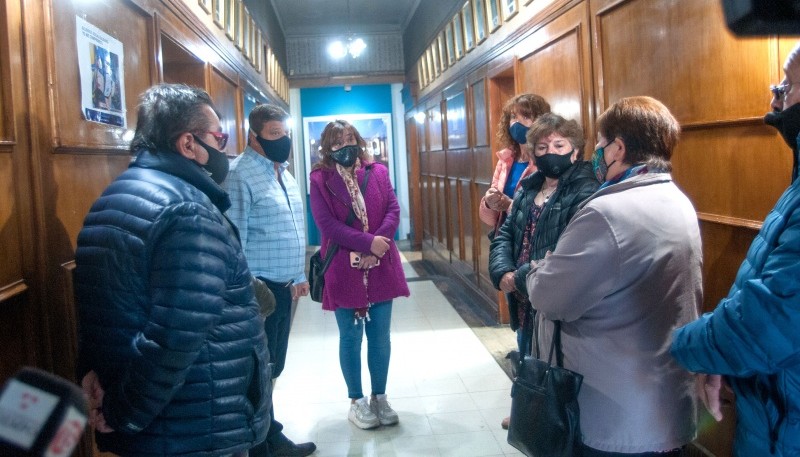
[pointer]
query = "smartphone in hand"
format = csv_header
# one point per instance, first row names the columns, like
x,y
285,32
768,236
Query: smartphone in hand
x,y
355,258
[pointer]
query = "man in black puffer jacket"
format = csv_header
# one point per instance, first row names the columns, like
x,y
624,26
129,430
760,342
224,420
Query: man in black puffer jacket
x,y
173,355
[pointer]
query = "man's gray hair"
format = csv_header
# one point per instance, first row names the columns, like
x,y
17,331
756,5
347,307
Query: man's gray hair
x,y
167,111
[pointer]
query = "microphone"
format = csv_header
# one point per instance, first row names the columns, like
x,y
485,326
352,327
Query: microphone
x,y
41,415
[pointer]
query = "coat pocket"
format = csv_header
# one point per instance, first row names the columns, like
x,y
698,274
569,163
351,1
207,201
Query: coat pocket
x,y
259,392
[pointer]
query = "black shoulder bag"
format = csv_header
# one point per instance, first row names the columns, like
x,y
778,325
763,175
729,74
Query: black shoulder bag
x,y
317,266
545,417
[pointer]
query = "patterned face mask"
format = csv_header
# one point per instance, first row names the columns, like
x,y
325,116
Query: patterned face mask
x,y
599,163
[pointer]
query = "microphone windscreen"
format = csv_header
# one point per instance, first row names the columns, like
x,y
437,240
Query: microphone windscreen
x,y
41,414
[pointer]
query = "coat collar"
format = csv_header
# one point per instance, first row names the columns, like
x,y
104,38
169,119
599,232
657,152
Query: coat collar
x,y
335,184
173,163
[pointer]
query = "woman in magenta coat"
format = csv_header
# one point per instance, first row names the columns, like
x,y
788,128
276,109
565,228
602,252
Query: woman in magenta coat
x,y
365,274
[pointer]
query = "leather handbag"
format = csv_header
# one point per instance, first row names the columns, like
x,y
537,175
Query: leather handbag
x,y
545,417
317,266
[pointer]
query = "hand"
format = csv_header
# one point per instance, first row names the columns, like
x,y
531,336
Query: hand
x,y
94,396
709,387
299,290
264,297
507,284
380,244
368,262
496,200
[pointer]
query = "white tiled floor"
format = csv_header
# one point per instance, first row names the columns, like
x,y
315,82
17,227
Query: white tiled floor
x,y
449,392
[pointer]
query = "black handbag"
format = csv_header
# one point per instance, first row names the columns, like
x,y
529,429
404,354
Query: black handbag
x,y
545,417
317,266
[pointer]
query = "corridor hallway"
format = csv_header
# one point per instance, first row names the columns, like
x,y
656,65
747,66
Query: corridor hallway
x,y
445,385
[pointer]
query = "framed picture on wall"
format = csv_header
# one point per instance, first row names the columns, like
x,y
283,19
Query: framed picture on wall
x,y
429,64
229,18
458,36
376,129
441,43
510,9
420,73
479,14
205,4
245,35
468,22
451,47
253,34
238,12
435,64
218,12
260,62
493,14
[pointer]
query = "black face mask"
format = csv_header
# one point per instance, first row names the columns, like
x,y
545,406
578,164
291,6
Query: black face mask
x,y
276,150
217,165
787,122
346,156
554,165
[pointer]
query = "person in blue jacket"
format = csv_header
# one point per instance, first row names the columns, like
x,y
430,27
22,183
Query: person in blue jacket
x,y
752,338
172,352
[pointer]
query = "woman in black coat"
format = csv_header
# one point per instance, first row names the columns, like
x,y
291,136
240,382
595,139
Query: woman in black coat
x,y
542,208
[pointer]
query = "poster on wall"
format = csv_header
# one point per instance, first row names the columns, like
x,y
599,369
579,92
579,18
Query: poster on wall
x,y
102,90
376,129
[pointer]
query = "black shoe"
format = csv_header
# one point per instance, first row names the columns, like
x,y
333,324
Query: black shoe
x,y
287,448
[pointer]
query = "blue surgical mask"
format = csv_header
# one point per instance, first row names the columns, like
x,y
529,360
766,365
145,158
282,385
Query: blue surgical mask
x,y
599,164
518,132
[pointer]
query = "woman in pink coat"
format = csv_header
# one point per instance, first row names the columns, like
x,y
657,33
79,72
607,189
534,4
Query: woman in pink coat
x,y
513,162
365,274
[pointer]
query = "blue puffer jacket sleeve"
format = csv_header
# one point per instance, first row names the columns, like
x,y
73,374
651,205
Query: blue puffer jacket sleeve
x,y
755,329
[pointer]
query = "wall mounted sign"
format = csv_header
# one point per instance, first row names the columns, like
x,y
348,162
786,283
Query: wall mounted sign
x,y
102,75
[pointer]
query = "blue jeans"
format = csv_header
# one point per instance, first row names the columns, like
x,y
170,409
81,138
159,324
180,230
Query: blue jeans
x,y
379,347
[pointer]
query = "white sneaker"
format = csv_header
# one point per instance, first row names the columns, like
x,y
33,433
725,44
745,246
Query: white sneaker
x,y
381,408
361,415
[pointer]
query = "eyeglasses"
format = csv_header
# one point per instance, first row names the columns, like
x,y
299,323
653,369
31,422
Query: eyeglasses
x,y
779,91
222,138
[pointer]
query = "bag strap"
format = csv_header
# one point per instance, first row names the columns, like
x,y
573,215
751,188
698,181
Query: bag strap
x,y
555,346
332,249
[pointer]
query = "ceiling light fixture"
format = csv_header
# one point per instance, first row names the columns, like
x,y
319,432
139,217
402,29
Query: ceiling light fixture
x,y
354,46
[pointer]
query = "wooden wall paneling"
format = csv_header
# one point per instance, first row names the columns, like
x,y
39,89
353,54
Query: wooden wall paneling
x,y
225,94
733,172
456,114
179,65
6,101
429,207
555,63
434,120
125,22
480,116
12,275
501,89
414,181
466,205
452,206
674,40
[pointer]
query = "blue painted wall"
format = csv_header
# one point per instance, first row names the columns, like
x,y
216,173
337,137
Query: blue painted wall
x,y
328,101
325,101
